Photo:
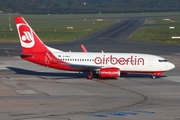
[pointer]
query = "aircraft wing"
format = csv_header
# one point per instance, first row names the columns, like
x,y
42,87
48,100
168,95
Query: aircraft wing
x,y
84,67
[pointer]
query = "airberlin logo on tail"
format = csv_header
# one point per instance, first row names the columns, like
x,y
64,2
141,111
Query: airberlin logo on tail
x,y
25,35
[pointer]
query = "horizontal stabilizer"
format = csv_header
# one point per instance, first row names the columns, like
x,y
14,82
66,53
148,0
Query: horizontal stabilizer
x,y
25,55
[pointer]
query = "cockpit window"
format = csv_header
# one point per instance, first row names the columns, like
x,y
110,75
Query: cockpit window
x,y
162,60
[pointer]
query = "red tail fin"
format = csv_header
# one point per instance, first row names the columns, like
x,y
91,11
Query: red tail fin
x,y
33,49
30,42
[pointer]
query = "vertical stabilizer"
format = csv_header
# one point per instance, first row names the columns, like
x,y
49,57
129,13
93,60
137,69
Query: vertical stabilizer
x,y
30,42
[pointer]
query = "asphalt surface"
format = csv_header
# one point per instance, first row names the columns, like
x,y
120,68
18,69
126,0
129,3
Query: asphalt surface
x,y
33,92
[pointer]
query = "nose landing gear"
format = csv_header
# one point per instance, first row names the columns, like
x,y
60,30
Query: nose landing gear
x,y
153,76
156,74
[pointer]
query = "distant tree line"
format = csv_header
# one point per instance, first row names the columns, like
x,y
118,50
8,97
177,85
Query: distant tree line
x,y
87,6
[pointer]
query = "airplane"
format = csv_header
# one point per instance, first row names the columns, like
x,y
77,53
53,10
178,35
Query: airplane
x,y
97,64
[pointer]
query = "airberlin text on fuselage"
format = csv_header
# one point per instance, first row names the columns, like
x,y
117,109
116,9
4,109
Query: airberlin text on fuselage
x,y
132,60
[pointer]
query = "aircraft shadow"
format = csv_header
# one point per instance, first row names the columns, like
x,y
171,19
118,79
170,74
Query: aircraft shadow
x,y
58,75
138,75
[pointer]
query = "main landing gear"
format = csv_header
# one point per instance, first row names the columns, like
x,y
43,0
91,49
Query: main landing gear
x,y
92,75
156,74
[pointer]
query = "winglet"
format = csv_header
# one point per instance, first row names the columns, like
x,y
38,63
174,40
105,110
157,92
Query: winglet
x,y
83,48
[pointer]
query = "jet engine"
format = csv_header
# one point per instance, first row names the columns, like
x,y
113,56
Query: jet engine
x,y
109,72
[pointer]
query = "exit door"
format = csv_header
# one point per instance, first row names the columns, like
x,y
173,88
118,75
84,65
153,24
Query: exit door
x,y
150,62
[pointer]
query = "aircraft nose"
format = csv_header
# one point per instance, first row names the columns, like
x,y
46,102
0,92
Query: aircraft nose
x,y
171,66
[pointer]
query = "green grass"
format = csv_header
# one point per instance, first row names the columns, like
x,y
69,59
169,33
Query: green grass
x,y
158,34
160,31
162,20
57,30
50,29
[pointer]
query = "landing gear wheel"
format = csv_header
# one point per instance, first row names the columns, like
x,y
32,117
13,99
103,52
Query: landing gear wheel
x,y
153,77
92,74
89,77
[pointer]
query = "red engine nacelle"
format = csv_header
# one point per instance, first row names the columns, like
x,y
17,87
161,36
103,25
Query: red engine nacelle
x,y
109,72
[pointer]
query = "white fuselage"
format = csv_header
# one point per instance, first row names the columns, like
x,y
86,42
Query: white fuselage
x,y
130,62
